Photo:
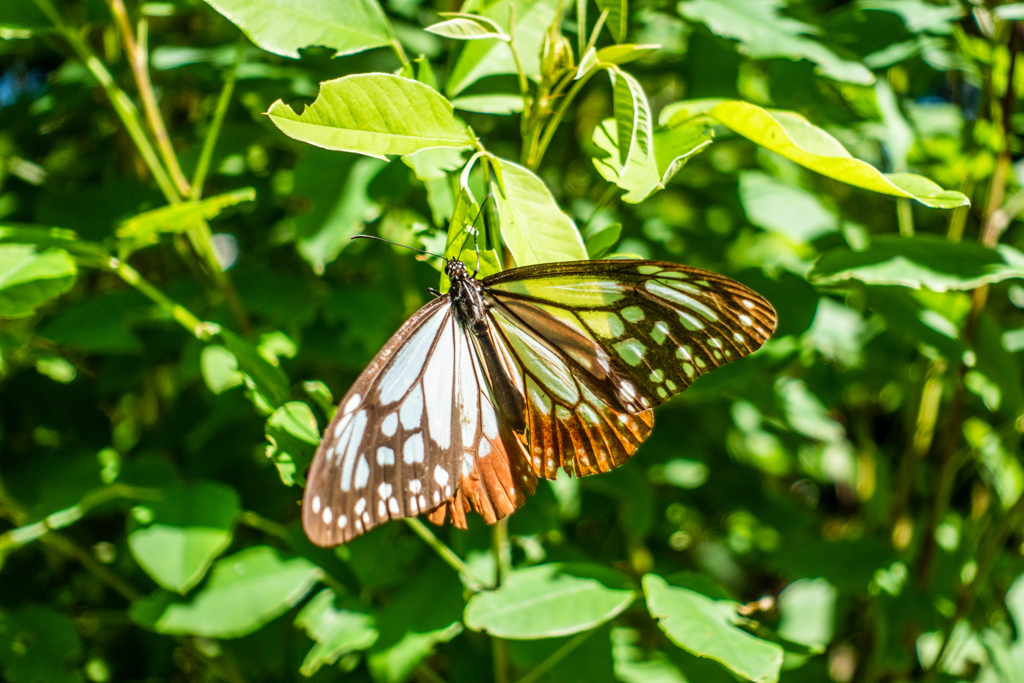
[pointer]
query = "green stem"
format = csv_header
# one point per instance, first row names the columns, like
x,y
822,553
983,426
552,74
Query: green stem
x,y
67,548
126,111
555,657
204,331
23,535
446,553
537,154
905,217
138,58
260,523
206,156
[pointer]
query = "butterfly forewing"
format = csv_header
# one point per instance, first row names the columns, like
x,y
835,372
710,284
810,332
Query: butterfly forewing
x,y
554,366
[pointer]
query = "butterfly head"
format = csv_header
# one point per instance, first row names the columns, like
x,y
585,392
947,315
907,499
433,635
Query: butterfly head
x,y
456,270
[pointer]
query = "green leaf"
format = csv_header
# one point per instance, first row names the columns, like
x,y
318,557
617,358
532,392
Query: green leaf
x,y
39,645
618,15
293,435
489,104
763,33
1010,11
808,610
646,174
285,26
335,631
601,241
267,380
532,225
29,277
923,261
335,187
466,28
184,532
434,164
245,591
634,664
632,116
375,115
550,600
464,239
219,368
102,324
793,137
622,54
920,16
706,628
786,209
488,58
146,227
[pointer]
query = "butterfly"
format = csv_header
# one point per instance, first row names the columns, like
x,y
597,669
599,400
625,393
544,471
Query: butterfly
x,y
504,380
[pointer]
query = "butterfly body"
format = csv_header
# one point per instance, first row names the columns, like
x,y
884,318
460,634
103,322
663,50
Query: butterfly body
x,y
507,379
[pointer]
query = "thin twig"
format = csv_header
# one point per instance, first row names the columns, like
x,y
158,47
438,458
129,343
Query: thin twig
x,y
139,59
205,157
537,153
446,553
555,657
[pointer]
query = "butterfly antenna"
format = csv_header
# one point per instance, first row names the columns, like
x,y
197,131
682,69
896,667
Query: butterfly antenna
x,y
473,233
397,244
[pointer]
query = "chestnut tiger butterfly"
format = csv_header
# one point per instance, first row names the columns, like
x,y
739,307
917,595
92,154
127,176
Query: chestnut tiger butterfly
x,y
506,379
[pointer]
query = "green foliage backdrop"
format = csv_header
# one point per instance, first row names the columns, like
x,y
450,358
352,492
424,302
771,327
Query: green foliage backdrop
x,y
181,305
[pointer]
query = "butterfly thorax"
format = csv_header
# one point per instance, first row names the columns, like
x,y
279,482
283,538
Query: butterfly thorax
x,y
465,294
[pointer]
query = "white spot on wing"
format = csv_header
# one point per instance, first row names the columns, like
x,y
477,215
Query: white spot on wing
x,y
384,490
468,392
412,451
437,380
385,456
342,522
351,404
412,409
748,304
362,472
440,475
316,505
393,506
360,506
490,422
389,425
340,427
328,515
405,367
382,509
746,320
353,439
415,485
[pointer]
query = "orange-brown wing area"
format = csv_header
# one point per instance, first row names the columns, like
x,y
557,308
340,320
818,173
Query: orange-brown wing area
x,y
495,477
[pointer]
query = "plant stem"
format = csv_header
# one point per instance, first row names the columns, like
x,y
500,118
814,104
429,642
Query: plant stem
x,y
446,553
905,217
502,567
555,657
139,59
537,153
66,547
206,156
122,104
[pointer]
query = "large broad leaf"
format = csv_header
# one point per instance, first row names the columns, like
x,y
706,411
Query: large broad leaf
x,y
785,209
707,628
285,26
267,380
532,225
550,600
793,137
645,174
617,21
244,592
807,607
920,16
763,33
922,261
375,115
39,645
28,277
293,435
176,539
336,632
482,58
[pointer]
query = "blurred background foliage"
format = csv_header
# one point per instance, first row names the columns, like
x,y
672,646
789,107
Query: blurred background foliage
x,y
844,505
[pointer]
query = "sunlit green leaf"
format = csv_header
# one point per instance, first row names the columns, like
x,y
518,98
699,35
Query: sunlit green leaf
x,y
622,54
808,609
922,261
245,591
465,28
29,277
335,631
632,116
924,16
293,435
285,26
375,115
184,531
220,368
464,241
601,241
487,58
618,15
532,225
707,628
266,379
550,600
489,104
145,227
783,208
795,138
